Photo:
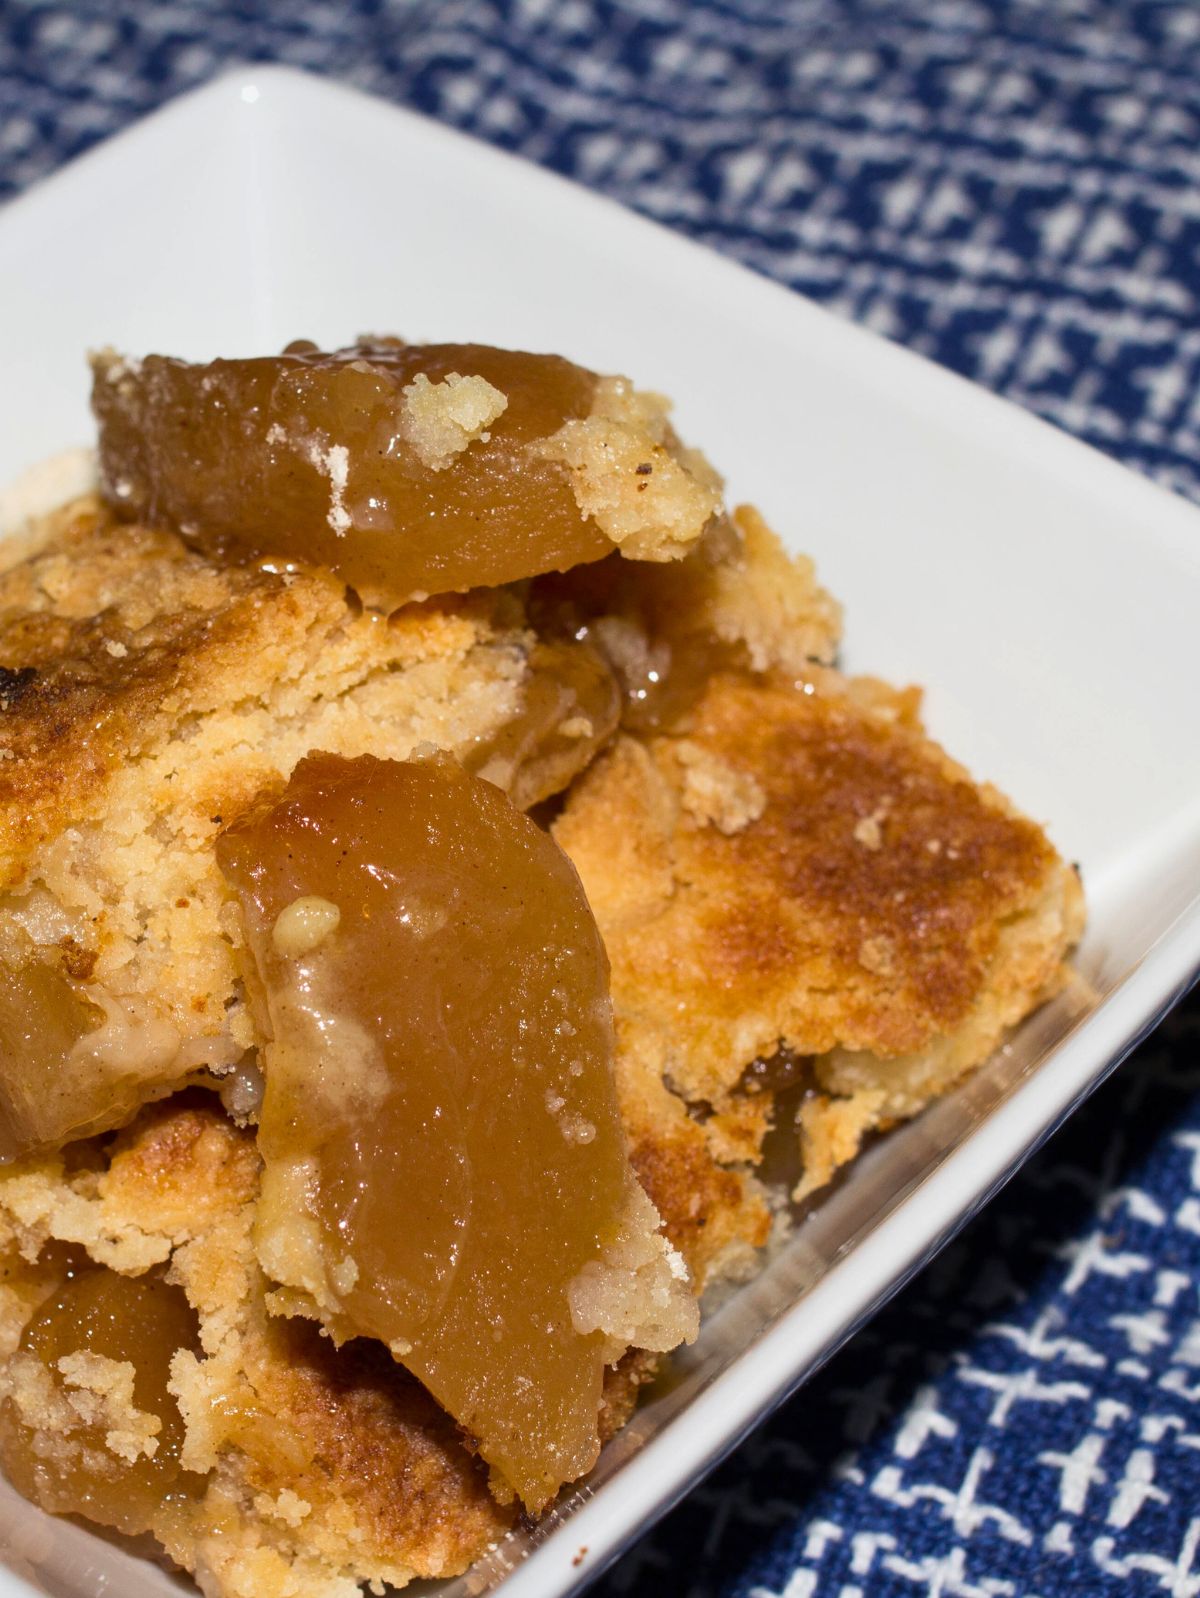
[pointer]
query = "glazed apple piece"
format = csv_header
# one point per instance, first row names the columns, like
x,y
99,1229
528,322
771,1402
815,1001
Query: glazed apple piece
x,y
58,1077
570,707
445,1169
42,1020
408,469
92,1372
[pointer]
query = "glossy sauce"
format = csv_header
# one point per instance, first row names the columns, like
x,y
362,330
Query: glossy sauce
x,y
777,1072
441,1076
641,626
236,456
570,707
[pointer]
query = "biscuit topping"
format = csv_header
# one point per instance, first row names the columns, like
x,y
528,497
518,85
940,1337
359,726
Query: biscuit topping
x,y
445,1165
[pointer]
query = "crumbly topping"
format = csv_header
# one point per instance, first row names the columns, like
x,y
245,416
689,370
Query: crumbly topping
x,y
95,1396
286,1506
868,830
629,473
325,1468
715,791
770,602
100,1391
222,679
291,1245
831,1134
795,928
441,419
638,1292
156,1194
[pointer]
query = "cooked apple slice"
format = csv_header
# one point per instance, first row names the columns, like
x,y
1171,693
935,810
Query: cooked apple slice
x,y
407,469
445,1168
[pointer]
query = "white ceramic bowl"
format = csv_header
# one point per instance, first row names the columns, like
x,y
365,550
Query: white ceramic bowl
x,y
1047,597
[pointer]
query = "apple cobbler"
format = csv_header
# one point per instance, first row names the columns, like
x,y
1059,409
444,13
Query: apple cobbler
x,y
436,847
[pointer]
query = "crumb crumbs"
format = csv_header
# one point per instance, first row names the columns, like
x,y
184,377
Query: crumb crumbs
x,y
100,1391
606,454
869,829
344,1275
286,1506
878,954
715,792
334,462
441,419
117,650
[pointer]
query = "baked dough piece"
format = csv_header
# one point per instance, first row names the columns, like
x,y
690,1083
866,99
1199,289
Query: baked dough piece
x,y
797,876
151,696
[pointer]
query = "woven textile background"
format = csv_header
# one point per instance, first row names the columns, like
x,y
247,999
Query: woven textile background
x,y
1013,189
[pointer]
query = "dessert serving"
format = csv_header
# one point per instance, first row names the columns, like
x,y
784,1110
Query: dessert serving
x,y
436,849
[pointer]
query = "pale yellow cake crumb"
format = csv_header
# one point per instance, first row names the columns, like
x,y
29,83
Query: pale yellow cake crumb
x,y
714,792
303,926
630,475
100,1391
442,419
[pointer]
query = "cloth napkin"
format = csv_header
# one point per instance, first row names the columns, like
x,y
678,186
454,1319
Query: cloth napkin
x,y
1011,187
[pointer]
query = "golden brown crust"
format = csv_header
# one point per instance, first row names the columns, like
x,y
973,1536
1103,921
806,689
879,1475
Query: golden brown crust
x,y
623,1383
802,925
905,928
181,1168
793,864
877,901
104,636
374,1448
716,1217
154,694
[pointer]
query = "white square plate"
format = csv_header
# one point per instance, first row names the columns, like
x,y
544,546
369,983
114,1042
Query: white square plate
x,y
1048,598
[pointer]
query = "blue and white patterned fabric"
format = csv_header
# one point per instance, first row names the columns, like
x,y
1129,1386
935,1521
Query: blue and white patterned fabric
x,y
1013,188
